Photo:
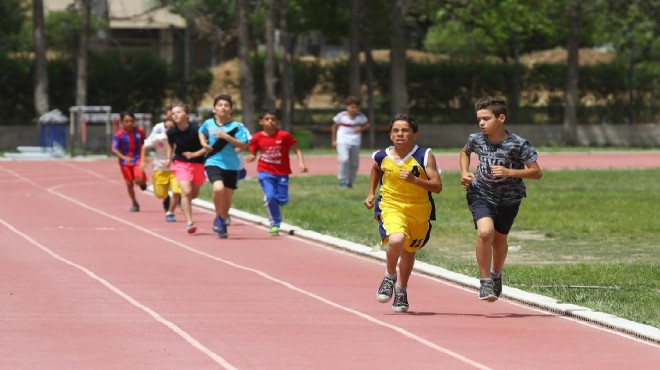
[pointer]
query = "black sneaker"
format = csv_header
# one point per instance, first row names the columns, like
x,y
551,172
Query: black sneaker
x,y
166,204
385,290
400,302
487,291
497,285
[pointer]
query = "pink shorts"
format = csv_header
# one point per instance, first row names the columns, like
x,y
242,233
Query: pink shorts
x,y
188,172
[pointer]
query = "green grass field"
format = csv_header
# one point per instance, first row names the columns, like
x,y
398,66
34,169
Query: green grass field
x,y
586,237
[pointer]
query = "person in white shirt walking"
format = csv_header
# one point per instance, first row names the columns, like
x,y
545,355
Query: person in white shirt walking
x,y
347,129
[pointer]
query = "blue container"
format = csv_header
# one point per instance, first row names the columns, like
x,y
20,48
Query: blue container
x,y
52,134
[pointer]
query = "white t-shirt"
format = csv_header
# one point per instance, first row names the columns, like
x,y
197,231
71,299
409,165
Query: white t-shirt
x,y
158,141
346,134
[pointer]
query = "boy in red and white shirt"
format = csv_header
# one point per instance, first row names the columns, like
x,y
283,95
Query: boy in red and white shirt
x,y
347,131
273,167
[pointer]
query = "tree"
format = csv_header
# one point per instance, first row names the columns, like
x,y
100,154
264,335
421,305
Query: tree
x,y
246,80
398,59
41,103
354,49
287,42
269,60
83,50
572,93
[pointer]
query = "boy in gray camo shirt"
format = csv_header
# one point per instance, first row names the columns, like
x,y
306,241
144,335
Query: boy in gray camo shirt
x,y
494,192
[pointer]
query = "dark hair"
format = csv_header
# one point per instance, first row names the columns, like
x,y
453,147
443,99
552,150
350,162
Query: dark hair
x,y
168,119
225,97
271,111
126,113
404,117
182,105
494,104
352,100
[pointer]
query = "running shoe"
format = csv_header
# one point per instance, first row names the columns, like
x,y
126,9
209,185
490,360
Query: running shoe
x,y
166,204
400,301
191,228
169,217
497,285
385,290
143,186
228,220
217,224
220,227
135,208
274,231
487,291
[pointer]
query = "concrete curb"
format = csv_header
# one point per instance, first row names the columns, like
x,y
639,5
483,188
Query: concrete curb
x,y
612,322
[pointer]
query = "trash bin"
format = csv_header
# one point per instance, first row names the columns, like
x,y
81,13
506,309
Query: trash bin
x,y
304,138
53,129
52,135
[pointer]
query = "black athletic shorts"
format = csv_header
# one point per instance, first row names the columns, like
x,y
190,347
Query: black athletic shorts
x,y
502,215
228,177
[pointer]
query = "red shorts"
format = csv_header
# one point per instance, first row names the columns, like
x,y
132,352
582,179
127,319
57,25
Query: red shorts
x,y
188,172
131,173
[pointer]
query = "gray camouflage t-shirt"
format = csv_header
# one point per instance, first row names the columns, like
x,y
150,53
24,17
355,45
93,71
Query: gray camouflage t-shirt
x,y
512,153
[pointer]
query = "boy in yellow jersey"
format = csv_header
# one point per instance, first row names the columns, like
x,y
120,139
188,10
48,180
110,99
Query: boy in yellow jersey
x,y
407,175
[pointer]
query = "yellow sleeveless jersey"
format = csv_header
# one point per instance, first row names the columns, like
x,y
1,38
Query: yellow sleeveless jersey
x,y
395,193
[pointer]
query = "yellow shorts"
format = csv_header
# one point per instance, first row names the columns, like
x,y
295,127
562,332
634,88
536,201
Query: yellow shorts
x,y
417,231
163,181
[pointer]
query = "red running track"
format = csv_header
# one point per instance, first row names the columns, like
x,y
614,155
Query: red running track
x,y
551,161
85,284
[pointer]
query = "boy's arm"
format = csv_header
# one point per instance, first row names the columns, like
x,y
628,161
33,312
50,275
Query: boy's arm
x,y
143,156
115,150
466,175
364,127
532,171
170,150
333,134
203,141
301,158
433,184
374,179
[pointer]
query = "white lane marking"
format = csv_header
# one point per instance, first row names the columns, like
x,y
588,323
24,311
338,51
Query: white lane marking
x,y
395,328
170,325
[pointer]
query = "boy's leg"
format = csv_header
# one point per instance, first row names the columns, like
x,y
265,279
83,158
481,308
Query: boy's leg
x,y
219,195
500,250
354,163
484,245
394,251
176,193
343,157
484,252
406,264
186,200
282,190
269,187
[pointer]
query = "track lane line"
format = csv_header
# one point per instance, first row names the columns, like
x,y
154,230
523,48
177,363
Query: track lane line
x,y
54,191
155,315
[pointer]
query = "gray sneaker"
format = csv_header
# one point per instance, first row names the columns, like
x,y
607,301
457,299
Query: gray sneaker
x,y
487,291
385,290
400,302
497,285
